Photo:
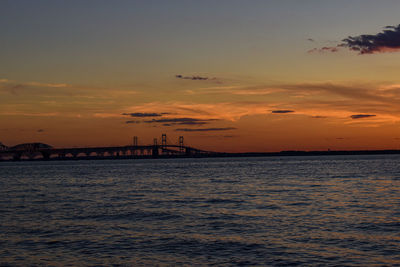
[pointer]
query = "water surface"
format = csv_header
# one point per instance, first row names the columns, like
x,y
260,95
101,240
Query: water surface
x,y
329,211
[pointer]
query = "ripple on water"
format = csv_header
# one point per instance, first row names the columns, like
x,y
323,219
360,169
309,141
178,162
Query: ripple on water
x,y
322,211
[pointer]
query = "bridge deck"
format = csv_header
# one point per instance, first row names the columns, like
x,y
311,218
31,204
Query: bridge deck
x,y
59,153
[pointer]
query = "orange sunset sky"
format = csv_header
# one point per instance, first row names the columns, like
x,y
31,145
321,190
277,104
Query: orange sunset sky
x,y
234,76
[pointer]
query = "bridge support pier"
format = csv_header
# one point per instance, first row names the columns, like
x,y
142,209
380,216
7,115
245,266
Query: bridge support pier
x,y
46,156
17,156
154,152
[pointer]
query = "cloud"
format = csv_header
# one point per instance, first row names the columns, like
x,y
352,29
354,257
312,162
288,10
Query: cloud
x,y
255,91
361,116
128,122
311,40
235,90
143,115
320,100
181,121
357,91
61,91
319,117
282,111
230,111
51,85
386,41
30,114
205,129
324,49
15,87
40,131
193,78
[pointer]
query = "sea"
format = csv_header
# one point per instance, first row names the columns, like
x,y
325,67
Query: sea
x,y
255,211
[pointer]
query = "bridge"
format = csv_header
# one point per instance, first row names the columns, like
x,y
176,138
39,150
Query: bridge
x,y
31,151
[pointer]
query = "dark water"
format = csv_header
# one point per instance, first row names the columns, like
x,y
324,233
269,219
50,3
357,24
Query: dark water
x,y
327,211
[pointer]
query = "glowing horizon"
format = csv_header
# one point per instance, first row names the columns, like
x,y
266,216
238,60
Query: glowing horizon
x,y
263,77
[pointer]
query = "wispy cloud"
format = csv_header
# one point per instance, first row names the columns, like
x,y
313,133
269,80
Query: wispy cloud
x,y
51,85
319,117
351,91
205,129
15,87
181,121
236,90
143,115
62,90
320,100
30,114
230,111
324,49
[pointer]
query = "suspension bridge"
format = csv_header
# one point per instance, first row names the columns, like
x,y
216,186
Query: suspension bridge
x,y
32,151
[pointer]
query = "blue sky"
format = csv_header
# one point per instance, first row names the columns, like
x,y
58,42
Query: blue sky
x,y
49,37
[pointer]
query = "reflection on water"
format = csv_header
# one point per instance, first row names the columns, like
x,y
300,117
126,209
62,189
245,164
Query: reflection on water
x,y
247,211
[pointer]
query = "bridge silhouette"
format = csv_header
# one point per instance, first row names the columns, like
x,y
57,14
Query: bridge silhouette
x,y
31,151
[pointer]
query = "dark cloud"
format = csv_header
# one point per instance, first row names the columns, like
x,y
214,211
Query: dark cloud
x,y
282,111
143,115
385,41
361,116
40,131
193,78
205,129
181,121
170,121
311,40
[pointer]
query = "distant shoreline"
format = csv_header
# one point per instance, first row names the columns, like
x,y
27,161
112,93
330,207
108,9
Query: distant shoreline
x,y
225,155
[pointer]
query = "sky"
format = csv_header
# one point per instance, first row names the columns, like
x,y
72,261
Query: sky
x,y
233,76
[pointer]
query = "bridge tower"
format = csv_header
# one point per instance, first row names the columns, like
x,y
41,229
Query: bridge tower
x,y
181,148
135,141
163,141
154,151
134,150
